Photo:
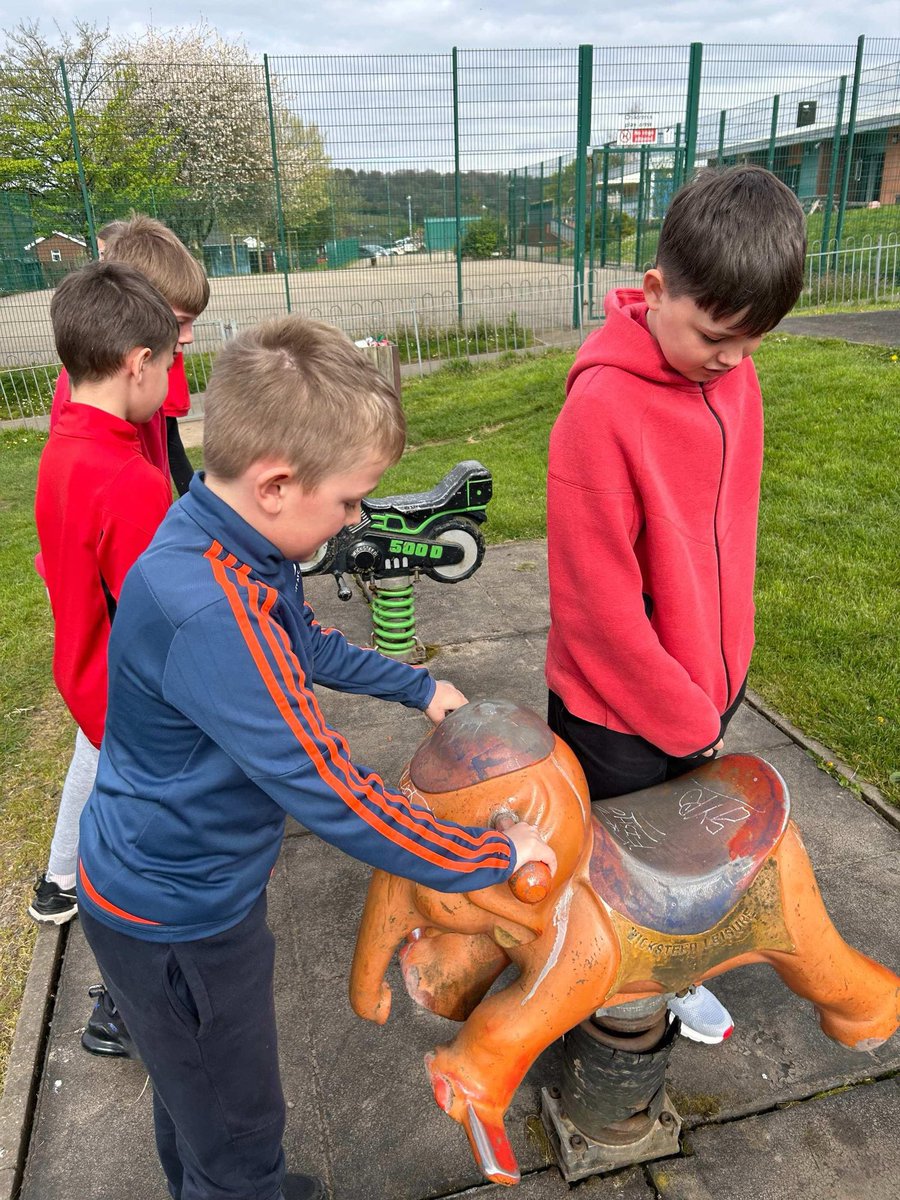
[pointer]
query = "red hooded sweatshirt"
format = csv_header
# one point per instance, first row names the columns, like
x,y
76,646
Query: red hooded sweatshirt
x,y
652,502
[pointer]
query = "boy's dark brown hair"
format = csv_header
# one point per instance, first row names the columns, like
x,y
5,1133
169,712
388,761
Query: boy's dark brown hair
x,y
103,311
153,249
734,242
299,390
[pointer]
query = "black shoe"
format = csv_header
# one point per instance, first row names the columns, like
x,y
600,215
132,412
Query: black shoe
x,y
51,905
105,1032
303,1187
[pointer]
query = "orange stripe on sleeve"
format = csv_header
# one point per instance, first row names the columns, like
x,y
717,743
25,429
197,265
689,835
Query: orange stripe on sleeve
x,y
325,769
291,671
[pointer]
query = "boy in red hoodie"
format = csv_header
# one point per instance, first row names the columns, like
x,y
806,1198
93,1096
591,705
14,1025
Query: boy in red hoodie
x,y
653,495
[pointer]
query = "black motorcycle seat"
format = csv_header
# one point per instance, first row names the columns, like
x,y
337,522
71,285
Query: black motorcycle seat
x,y
439,495
677,857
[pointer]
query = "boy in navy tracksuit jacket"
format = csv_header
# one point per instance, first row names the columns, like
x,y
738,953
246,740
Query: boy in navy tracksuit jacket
x,y
214,733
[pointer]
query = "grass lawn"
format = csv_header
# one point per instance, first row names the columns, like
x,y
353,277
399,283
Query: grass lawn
x,y
828,646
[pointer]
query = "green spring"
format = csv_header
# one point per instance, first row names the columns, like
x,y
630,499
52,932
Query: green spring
x,y
394,620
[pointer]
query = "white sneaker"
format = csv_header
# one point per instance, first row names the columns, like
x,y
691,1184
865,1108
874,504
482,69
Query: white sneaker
x,y
703,1017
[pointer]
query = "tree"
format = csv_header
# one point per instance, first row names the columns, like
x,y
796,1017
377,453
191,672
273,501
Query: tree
x,y
175,124
206,96
120,156
482,238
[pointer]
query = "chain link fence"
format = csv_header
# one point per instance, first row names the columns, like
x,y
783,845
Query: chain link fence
x,y
464,203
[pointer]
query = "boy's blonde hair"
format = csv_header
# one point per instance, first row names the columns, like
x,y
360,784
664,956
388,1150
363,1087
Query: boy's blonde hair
x,y
299,390
154,250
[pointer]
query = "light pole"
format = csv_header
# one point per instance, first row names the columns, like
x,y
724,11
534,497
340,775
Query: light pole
x,y
409,214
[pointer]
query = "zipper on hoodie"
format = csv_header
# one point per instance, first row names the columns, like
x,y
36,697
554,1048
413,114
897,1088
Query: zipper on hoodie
x,y
716,543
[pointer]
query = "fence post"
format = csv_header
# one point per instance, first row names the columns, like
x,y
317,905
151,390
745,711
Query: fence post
x,y
583,137
593,236
692,112
642,167
720,156
878,270
457,186
525,222
282,240
851,134
510,212
677,172
604,206
832,174
559,170
76,147
773,132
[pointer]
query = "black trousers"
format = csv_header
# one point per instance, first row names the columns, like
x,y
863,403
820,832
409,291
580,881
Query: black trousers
x,y
179,464
202,1015
617,763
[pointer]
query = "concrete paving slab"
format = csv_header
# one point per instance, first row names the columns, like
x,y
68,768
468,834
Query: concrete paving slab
x,y
549,1185
881,327
840,1147
837,826
508,595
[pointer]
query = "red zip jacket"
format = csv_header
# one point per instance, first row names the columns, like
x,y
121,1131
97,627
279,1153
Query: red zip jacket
x,y
151,434
178,398
652,502
97,506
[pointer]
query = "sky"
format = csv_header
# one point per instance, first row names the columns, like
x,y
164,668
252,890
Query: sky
x,y
435,26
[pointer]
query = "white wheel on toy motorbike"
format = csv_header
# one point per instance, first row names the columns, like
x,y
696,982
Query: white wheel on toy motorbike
x,y
457,532
320,560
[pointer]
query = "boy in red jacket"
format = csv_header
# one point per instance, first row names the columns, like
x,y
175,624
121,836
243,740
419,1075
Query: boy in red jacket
x,y
653,495
154,250
97,506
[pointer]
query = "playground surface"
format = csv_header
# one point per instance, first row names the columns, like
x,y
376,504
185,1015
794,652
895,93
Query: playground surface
x,y
776,1112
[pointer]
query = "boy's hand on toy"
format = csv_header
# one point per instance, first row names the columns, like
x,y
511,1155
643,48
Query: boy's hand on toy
x,y
445,700
713,749
528,841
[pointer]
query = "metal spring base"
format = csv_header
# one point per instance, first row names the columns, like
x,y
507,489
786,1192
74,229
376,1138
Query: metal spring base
x,y
394,619
579,1156
611,1108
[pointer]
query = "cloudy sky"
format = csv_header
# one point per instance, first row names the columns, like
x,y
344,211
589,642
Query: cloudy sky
x,y
433,26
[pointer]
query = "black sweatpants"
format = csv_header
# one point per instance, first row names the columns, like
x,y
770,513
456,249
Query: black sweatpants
x,y
179,464
617,763
202,1015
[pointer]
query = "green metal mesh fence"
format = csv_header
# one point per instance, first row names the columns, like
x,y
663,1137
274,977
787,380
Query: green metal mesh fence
x,y
458,203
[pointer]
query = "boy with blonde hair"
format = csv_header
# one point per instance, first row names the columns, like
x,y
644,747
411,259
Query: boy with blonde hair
x,y
214,733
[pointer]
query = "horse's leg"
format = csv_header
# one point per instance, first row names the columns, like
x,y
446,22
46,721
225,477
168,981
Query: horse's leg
x,y
858,1000
389,915
565,975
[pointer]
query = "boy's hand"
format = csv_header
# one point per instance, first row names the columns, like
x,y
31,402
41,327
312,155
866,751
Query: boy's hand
x,y
713,749
527,839
445,700
530,846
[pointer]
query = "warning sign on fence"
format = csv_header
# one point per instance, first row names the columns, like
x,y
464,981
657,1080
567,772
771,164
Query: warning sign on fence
x,y
644,135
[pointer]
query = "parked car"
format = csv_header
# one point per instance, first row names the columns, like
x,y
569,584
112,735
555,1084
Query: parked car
x,y
406,245
368,251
